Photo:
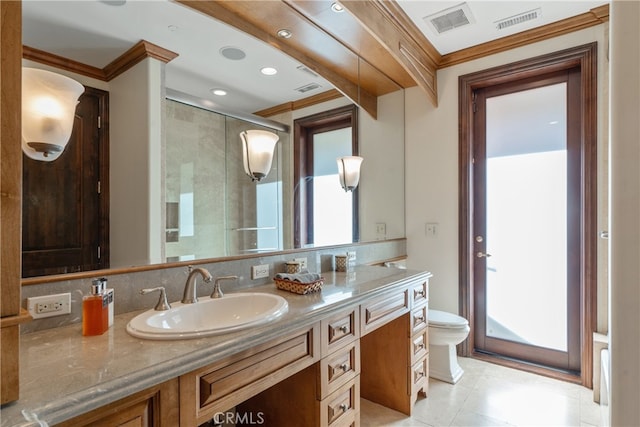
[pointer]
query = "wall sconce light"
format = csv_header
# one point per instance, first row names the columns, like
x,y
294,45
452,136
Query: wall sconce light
x,y
349,171
257,152
48,109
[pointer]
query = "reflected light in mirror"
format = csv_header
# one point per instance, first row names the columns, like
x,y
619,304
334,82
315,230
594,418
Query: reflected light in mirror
x,y
349,171
257,152
48,107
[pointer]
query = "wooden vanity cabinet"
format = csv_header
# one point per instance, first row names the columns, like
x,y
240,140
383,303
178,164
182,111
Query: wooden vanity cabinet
x,y
154,407
326,393
395,353
219,387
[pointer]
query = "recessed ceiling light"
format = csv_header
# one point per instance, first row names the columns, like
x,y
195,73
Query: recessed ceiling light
x,y
554,122
337,7
284,33
269,71
172,27
218,92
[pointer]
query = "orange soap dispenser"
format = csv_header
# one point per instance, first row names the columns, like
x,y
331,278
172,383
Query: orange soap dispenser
x,y
95,309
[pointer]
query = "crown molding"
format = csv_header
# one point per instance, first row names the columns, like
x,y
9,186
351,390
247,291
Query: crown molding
x,y
594,17
141,50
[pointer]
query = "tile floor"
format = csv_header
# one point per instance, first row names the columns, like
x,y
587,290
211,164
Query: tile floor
x,y
492,395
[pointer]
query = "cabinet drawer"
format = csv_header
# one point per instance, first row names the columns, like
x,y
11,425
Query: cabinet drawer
x,y
418,374
381,310
418,319
233,380
419,293
419,345
339,368
339,330
339,407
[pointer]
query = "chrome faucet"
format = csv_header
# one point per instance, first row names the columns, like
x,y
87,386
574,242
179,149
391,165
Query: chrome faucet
x,y
217,291
189,295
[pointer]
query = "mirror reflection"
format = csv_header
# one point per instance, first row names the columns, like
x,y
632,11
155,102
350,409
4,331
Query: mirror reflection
x,y
200,202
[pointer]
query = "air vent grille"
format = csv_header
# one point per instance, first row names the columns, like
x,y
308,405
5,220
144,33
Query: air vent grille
x,y
308,87
307,70
449,19
518,19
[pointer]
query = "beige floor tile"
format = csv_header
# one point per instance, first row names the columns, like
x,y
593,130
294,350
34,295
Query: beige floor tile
x,y
493,395
470,419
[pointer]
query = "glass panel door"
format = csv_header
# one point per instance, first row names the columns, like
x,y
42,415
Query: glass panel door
x,y
526,217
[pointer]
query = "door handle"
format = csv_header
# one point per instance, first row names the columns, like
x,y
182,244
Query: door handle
x,y
482,254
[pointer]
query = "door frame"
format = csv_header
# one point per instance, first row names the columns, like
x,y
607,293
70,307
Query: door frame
x,y
584,57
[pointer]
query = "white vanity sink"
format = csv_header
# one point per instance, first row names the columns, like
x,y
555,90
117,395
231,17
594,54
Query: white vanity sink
x,y
208,316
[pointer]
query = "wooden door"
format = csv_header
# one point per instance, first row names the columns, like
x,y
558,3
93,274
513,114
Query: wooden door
x,y
65,224
527,211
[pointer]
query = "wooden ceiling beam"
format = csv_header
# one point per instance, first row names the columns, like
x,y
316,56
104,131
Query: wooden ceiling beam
x,y
389,24
223,11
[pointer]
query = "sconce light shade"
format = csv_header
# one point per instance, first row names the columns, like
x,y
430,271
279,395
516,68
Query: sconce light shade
x,y
48,108
349,171
257,152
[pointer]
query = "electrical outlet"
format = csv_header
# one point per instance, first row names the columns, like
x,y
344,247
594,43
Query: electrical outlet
x,y
381,229
49,305
302,261
351,257
259,271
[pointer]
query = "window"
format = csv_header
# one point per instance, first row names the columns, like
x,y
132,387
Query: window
x,y
324,212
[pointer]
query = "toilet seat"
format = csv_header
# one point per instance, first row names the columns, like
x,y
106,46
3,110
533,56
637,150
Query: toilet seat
x,y
442,319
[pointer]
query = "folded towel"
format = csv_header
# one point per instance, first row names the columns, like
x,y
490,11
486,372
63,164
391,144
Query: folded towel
x,y
299,277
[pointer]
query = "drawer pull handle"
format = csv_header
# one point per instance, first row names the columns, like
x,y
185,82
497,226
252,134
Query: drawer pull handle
x,y
344,367
344,329
419,375
421,345
344,407
419,318
419,292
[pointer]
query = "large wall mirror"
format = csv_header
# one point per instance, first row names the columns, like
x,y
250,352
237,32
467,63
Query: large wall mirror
x,y
203,204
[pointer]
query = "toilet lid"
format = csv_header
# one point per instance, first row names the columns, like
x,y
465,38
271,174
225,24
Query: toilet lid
x,y
444,319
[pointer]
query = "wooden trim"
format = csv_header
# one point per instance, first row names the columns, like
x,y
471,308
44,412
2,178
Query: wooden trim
x,y
11,157
299,104
62,63
595,16
584,57
22,317
141,50
394,30
527,367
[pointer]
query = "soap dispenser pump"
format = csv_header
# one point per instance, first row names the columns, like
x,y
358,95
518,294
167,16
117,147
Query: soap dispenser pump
x,y
95,310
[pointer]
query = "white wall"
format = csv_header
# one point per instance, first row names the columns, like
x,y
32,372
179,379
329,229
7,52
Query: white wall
x,y
136,168
432,164
624,340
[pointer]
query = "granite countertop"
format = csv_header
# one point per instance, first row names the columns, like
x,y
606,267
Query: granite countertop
x,y
63,374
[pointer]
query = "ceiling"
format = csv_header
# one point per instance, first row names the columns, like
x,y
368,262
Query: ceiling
x,y
97,32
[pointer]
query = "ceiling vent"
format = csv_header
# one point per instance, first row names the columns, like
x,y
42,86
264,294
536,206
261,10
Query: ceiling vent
x,y
307,88
450,18
518,19
307,70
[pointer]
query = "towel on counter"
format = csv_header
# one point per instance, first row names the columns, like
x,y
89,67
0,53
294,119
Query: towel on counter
x,y
299,277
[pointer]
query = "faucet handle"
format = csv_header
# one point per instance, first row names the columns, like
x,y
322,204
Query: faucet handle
x,y
162,304
217,291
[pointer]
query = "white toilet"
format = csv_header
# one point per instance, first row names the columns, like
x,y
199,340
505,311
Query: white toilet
x,y
446,330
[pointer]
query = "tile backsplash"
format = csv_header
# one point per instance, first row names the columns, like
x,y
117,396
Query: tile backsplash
x,y
127,286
